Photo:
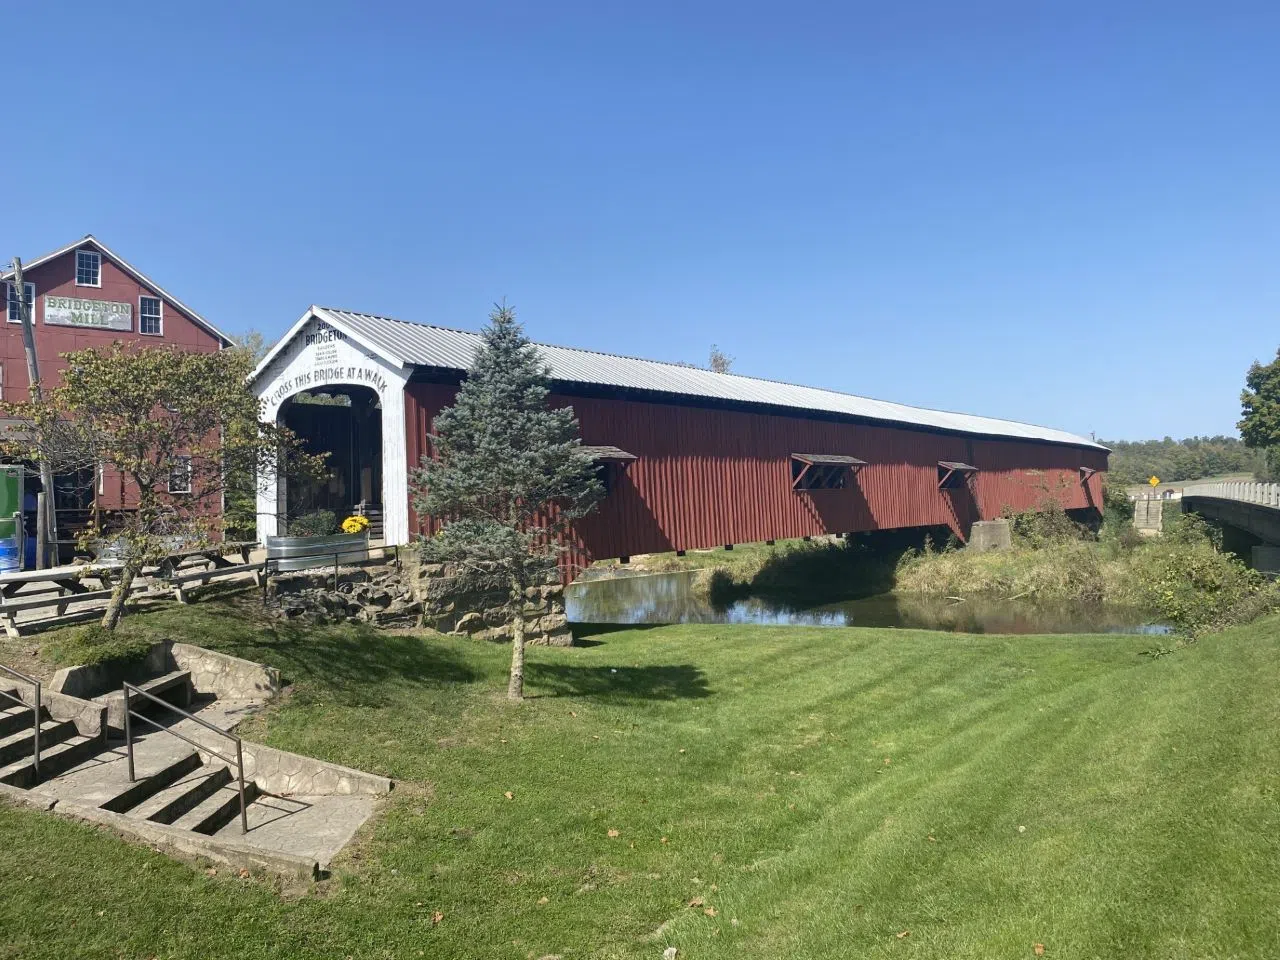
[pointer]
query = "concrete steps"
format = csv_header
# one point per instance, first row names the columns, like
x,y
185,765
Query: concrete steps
x,y
55,760
22,744
14,718
176,801
218,810
186,793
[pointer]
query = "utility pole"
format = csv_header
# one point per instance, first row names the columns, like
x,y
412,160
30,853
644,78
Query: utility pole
x,y
50,527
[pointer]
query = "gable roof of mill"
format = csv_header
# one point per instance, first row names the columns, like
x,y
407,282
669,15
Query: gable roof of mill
x,y
89,240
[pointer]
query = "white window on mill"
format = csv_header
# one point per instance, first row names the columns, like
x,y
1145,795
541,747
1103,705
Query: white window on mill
x,y
180,475
88,268
151,316
11,295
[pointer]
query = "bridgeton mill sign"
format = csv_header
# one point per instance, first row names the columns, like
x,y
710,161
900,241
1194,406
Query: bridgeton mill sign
x,y
77,312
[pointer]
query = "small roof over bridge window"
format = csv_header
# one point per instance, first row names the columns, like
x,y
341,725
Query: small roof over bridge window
x,y
608,454
952,474
1086,473
822,471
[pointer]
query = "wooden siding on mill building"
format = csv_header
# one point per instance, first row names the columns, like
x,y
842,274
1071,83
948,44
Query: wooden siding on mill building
x,y
711,475
56,276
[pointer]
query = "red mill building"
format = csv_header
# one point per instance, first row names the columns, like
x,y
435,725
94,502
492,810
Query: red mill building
x,y
84,295
693,459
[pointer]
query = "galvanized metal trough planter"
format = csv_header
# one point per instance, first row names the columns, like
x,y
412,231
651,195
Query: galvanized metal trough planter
x,y
287,554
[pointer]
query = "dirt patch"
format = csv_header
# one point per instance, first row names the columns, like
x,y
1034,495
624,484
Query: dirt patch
x,y
23,655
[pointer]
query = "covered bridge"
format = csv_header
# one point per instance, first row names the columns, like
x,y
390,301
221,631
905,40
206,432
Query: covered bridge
x,y
691,458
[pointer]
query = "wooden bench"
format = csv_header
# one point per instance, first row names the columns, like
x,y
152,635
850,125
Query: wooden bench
x,y
179,680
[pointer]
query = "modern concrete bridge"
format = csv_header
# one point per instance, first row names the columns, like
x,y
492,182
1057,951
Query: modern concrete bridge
x,y
1249,513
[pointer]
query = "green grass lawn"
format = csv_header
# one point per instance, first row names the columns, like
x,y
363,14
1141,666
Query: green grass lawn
x,y
813,792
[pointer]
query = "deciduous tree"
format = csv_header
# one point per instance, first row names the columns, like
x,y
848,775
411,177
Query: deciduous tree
x,y
1260,410
508,474
719,361
176,424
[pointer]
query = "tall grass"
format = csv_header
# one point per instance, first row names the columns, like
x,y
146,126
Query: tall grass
x,y
1182,577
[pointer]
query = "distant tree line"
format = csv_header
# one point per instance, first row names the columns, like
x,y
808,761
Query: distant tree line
x,y
1178,460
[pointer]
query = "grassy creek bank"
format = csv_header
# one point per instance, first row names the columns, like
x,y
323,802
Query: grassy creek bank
x,y
1182,578
730,791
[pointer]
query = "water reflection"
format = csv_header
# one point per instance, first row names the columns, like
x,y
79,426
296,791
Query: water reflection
x,y
673,598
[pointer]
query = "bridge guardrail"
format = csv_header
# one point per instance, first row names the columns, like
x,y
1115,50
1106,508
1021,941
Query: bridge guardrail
x,y
1262,494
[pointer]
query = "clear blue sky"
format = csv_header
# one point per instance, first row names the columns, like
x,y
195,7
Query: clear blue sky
x,y
1067,217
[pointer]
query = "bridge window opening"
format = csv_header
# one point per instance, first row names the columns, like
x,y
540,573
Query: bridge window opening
x,y
954,475
344,422
823,471
609,462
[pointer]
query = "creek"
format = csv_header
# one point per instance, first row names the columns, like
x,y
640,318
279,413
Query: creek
x,y
676,598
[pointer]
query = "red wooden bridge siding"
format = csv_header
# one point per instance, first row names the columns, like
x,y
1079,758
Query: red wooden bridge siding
x,y
707,477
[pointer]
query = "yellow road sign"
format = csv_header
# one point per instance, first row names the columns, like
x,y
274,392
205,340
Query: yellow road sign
x,y
1154,481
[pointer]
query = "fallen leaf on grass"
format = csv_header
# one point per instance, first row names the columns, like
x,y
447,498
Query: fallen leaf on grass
x,y
1039,949
543,901
436,917
664,840
696,902
711,911
573,713
932,838
613,833
904,934
509,795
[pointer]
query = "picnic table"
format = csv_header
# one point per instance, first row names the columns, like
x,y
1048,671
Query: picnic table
x,y
55,587
198,566
217,556
59,587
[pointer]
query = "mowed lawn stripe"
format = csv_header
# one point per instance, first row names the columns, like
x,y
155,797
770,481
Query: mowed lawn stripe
x,y
1147,787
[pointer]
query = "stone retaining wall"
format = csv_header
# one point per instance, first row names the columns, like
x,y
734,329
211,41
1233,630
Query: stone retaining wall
x,y
478,606
291,774
90,718
89,680
225,676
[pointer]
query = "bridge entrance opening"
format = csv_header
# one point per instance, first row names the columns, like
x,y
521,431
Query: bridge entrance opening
x,y
344,422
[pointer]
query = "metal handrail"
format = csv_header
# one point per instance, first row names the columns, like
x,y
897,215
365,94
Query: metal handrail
x,y
128,739
35,726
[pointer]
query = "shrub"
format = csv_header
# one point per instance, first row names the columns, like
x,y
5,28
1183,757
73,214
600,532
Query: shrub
x,y
1045,525
318,523
1193,585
